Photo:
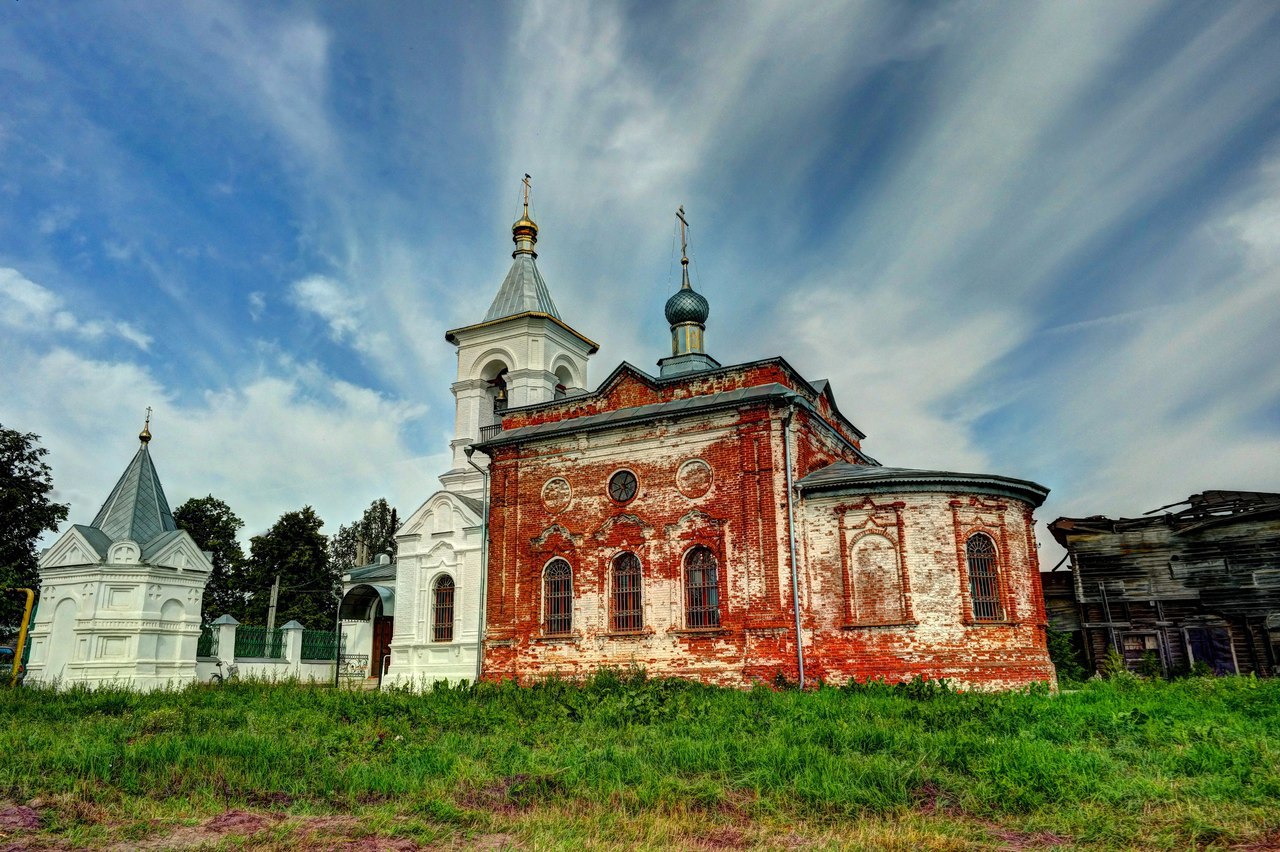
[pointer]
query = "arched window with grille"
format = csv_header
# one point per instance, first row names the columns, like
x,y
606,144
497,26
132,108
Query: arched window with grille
x,y
701,588
557,598
984,580
442,609
626,614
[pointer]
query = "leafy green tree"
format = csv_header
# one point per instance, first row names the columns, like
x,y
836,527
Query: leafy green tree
x,y
26,512
360,543
295,549
214,528
1064,657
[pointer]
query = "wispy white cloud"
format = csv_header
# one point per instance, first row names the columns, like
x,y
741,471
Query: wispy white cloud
x,y
28,307
290,436
339,308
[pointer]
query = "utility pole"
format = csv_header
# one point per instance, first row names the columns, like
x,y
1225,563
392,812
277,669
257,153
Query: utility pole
x,y
271,610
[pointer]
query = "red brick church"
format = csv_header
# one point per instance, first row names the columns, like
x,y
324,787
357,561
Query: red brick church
x,y
723,523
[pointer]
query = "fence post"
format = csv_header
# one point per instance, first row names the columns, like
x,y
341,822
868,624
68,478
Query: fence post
x,y
293,647
226,626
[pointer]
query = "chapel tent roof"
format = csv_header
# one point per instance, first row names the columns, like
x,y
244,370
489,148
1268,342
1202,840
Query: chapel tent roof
x,y
137,509
876,478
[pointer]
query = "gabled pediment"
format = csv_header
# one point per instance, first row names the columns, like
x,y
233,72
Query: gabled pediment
x,y
79,545
629,384
180,552
426,519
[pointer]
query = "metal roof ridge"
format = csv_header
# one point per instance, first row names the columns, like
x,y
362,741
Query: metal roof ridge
x,y
839,473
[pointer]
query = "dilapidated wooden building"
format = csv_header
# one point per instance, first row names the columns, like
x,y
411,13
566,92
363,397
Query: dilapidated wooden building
x,y
1199,582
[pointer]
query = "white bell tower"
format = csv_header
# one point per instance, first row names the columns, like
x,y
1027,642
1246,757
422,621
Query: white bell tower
x,y
521,353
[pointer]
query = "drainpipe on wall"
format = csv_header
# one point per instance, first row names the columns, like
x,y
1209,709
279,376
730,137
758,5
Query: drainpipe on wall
x,y
791,533
484,561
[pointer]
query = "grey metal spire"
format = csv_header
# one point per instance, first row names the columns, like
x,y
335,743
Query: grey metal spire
x,y
137,509
523,290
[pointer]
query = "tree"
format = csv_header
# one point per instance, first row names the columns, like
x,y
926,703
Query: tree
x,y
360,543
295,549
214,527
25,514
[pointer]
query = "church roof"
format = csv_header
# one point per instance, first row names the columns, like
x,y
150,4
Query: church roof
x,y
373,571
137,508
876,478
641,413
636,414
97,539
523,291
471,503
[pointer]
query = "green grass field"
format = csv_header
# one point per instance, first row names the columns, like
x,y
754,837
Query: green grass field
x,y
626,761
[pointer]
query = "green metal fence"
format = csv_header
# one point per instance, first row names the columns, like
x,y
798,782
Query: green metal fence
x,y
319,644
259,642
207,645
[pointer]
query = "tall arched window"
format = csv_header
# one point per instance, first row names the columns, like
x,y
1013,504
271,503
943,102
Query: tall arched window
x,y
984,582
627,615
442,609
557,598
701,588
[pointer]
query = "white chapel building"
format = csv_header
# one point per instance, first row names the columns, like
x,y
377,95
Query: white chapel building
x,y
120,597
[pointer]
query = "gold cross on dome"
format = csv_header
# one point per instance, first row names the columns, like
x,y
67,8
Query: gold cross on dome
x,y
526,193
684,223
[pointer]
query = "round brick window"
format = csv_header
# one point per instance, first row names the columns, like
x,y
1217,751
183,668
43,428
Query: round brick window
x,y
694,478
623,486
556,494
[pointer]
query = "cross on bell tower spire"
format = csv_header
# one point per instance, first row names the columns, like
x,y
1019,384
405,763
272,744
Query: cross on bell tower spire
x,y
525,231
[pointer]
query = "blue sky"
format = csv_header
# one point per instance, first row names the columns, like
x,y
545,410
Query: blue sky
x,y
1035,239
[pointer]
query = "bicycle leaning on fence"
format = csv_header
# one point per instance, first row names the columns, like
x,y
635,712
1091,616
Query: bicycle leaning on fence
x,y
232,673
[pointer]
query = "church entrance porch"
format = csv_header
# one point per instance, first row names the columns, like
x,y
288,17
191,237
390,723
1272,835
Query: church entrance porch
x,y
368,618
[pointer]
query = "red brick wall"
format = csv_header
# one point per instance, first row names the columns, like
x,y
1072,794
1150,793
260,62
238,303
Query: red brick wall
x,y
742,518
938,636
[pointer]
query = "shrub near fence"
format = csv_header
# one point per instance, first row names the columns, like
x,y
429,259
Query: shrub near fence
x,y
259,642
319,644
207,644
